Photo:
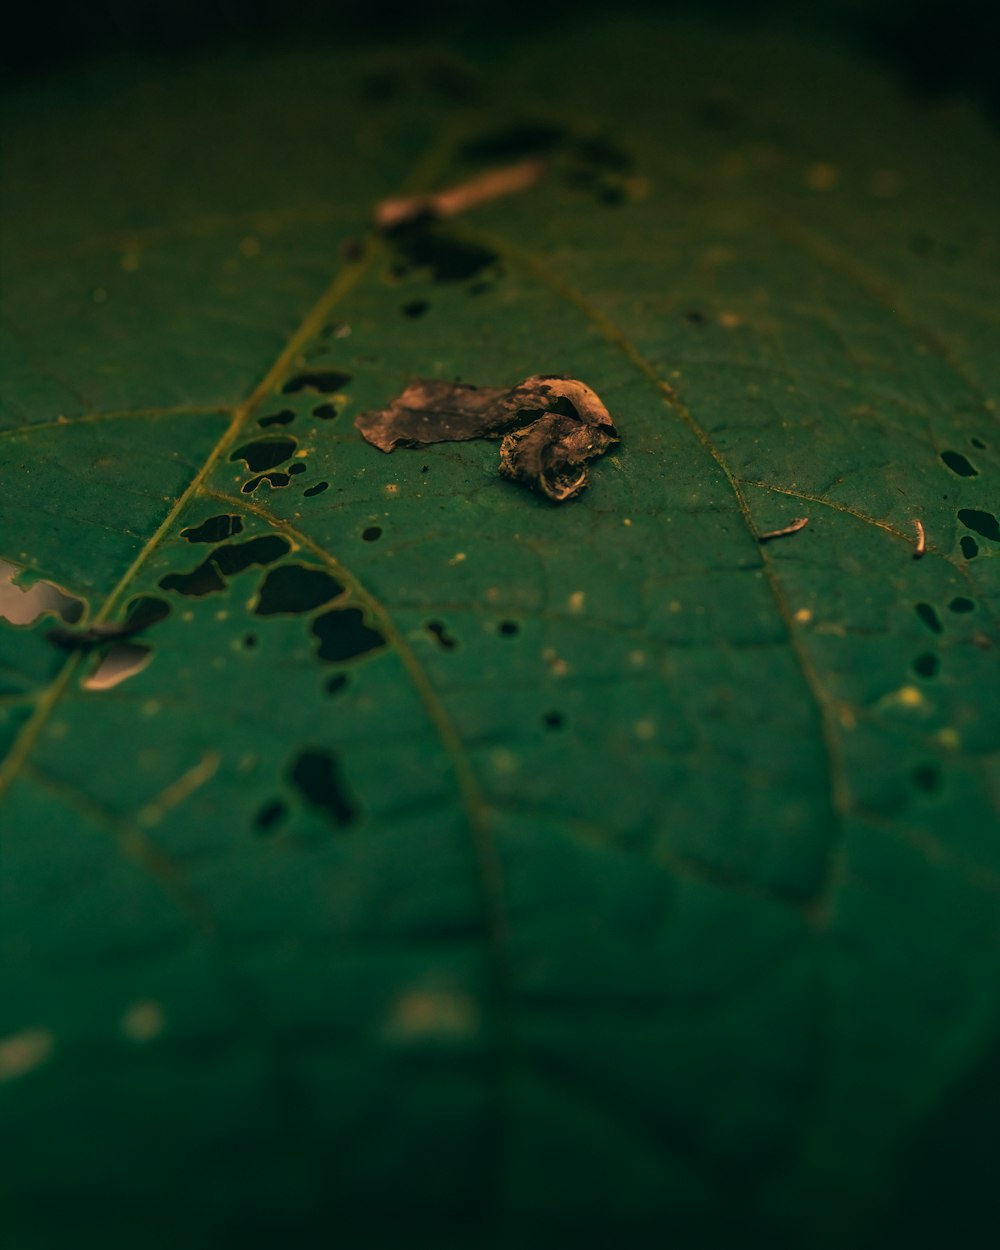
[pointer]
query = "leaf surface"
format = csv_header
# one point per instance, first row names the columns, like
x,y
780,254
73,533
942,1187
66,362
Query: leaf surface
x,y
461,864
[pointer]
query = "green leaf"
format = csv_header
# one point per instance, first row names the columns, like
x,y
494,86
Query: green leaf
x,y
455,868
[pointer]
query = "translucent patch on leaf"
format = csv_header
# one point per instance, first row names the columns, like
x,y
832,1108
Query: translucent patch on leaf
x,y
438,1015
23,605
121,661
21,1053
144,1021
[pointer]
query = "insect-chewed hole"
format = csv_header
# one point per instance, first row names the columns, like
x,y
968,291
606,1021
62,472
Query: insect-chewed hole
x,y
295,588
927,665
269,815
983,523
121,661
927,777
416,308
508,628
372,533
274,480
929,617
959,464
961,604
225,561
311,491
325,412
265,453
319,381
214,530
316,775
344,635
284,417
970,548
296,468
978,442
439,632
554,720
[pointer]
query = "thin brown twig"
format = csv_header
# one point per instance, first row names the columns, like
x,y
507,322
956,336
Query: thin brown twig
x,y
793,527
395,212
921,546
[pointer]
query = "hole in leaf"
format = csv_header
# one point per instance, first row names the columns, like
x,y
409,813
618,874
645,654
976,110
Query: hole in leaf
x,y
961,604
215,530
929,617
23,605
275,480
224,562
978,442
372,533
521,139
325,412
509,628
983,523
927,665
294,469
958,464
265,453
320,381
553,720
415,308
343,635
420,246
121,661
318,489
439,631
295,588
970,548
316,776
285,417
269,815
927,777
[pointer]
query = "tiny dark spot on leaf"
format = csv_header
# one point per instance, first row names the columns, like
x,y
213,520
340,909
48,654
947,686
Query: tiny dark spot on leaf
x,y
961,604
250,641
983,523
325,412
509,628
269,815
929,617
215,530
927,777
285,417
695,317
439,631
970,548
318,489
265,453
480,288
320,381
316,776
959,464
372,533
927,665
336,683
415,308
295,588
554,720
344,635
275,480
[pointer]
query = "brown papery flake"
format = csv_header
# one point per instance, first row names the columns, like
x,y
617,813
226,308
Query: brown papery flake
x,y
551,426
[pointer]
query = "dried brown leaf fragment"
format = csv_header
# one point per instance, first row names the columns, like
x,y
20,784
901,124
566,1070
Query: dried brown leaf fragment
x,y
551,426
392,213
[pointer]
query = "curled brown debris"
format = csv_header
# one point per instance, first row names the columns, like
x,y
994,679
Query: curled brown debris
x,y
792,527
551,426
392,213
921,546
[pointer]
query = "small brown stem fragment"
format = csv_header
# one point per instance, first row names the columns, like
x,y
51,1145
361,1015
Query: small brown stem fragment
x,y
551,426
793,527
921,546
392,213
